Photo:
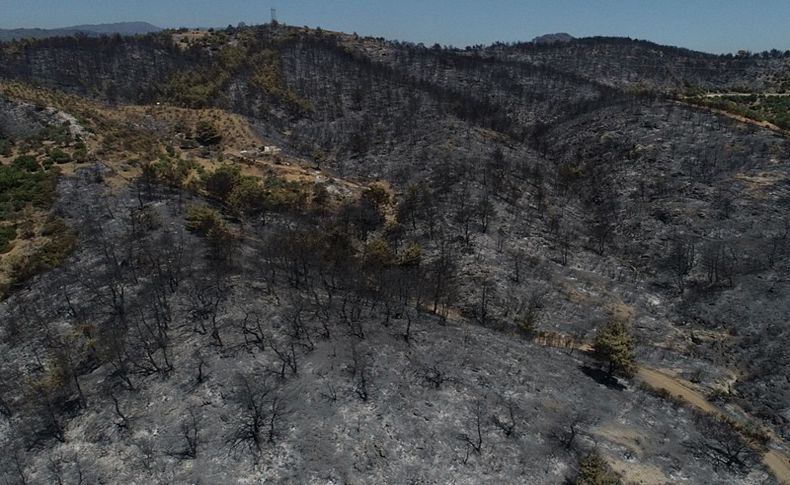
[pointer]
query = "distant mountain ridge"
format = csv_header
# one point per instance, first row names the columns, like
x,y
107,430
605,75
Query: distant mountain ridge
x,y
123,28
560,37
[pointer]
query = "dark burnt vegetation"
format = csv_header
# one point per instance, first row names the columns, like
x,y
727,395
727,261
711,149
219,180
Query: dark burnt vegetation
x,y
467,208
643,65
82,63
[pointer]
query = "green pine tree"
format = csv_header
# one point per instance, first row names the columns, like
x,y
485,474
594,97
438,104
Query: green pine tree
x,y
593,470
615,344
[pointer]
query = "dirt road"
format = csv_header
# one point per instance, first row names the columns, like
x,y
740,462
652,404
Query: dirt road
x,y
742,119
676,387
744,95
776,461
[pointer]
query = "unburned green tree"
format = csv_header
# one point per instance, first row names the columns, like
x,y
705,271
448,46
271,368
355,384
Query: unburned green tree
x,y
614,343
593,470
207,134
221,182
248,197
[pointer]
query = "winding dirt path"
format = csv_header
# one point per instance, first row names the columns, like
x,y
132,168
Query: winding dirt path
x,y
742,119
676,387
777,461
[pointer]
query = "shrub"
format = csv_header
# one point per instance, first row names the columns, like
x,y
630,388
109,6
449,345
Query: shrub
x,y
201,218
172,172
7,235
62,242
411,255
593,470
80,155
221,182
248,197
27,163
5,147
282,194
20,187
318,156
718,395
208,223
59,156
378,253
377,195
207,134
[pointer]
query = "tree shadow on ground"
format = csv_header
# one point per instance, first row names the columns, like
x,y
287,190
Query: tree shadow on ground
x,y
602,377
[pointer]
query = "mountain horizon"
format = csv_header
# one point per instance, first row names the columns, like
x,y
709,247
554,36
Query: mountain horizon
x,y
123,28
142,28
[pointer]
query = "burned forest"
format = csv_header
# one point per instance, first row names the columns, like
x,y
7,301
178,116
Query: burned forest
x,y
275,254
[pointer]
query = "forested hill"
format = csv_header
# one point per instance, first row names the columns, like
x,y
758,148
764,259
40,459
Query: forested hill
x,y
282,74
285,255
639,64
618,62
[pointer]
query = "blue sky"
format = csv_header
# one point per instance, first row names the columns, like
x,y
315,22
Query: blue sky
x,y
709,25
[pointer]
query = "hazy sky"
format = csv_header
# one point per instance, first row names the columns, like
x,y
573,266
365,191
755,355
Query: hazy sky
x,y
709,25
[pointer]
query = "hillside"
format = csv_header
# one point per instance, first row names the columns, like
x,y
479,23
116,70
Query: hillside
x,y
289,255
643,65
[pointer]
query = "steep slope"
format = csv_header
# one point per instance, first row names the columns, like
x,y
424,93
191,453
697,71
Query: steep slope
x,y
114,68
